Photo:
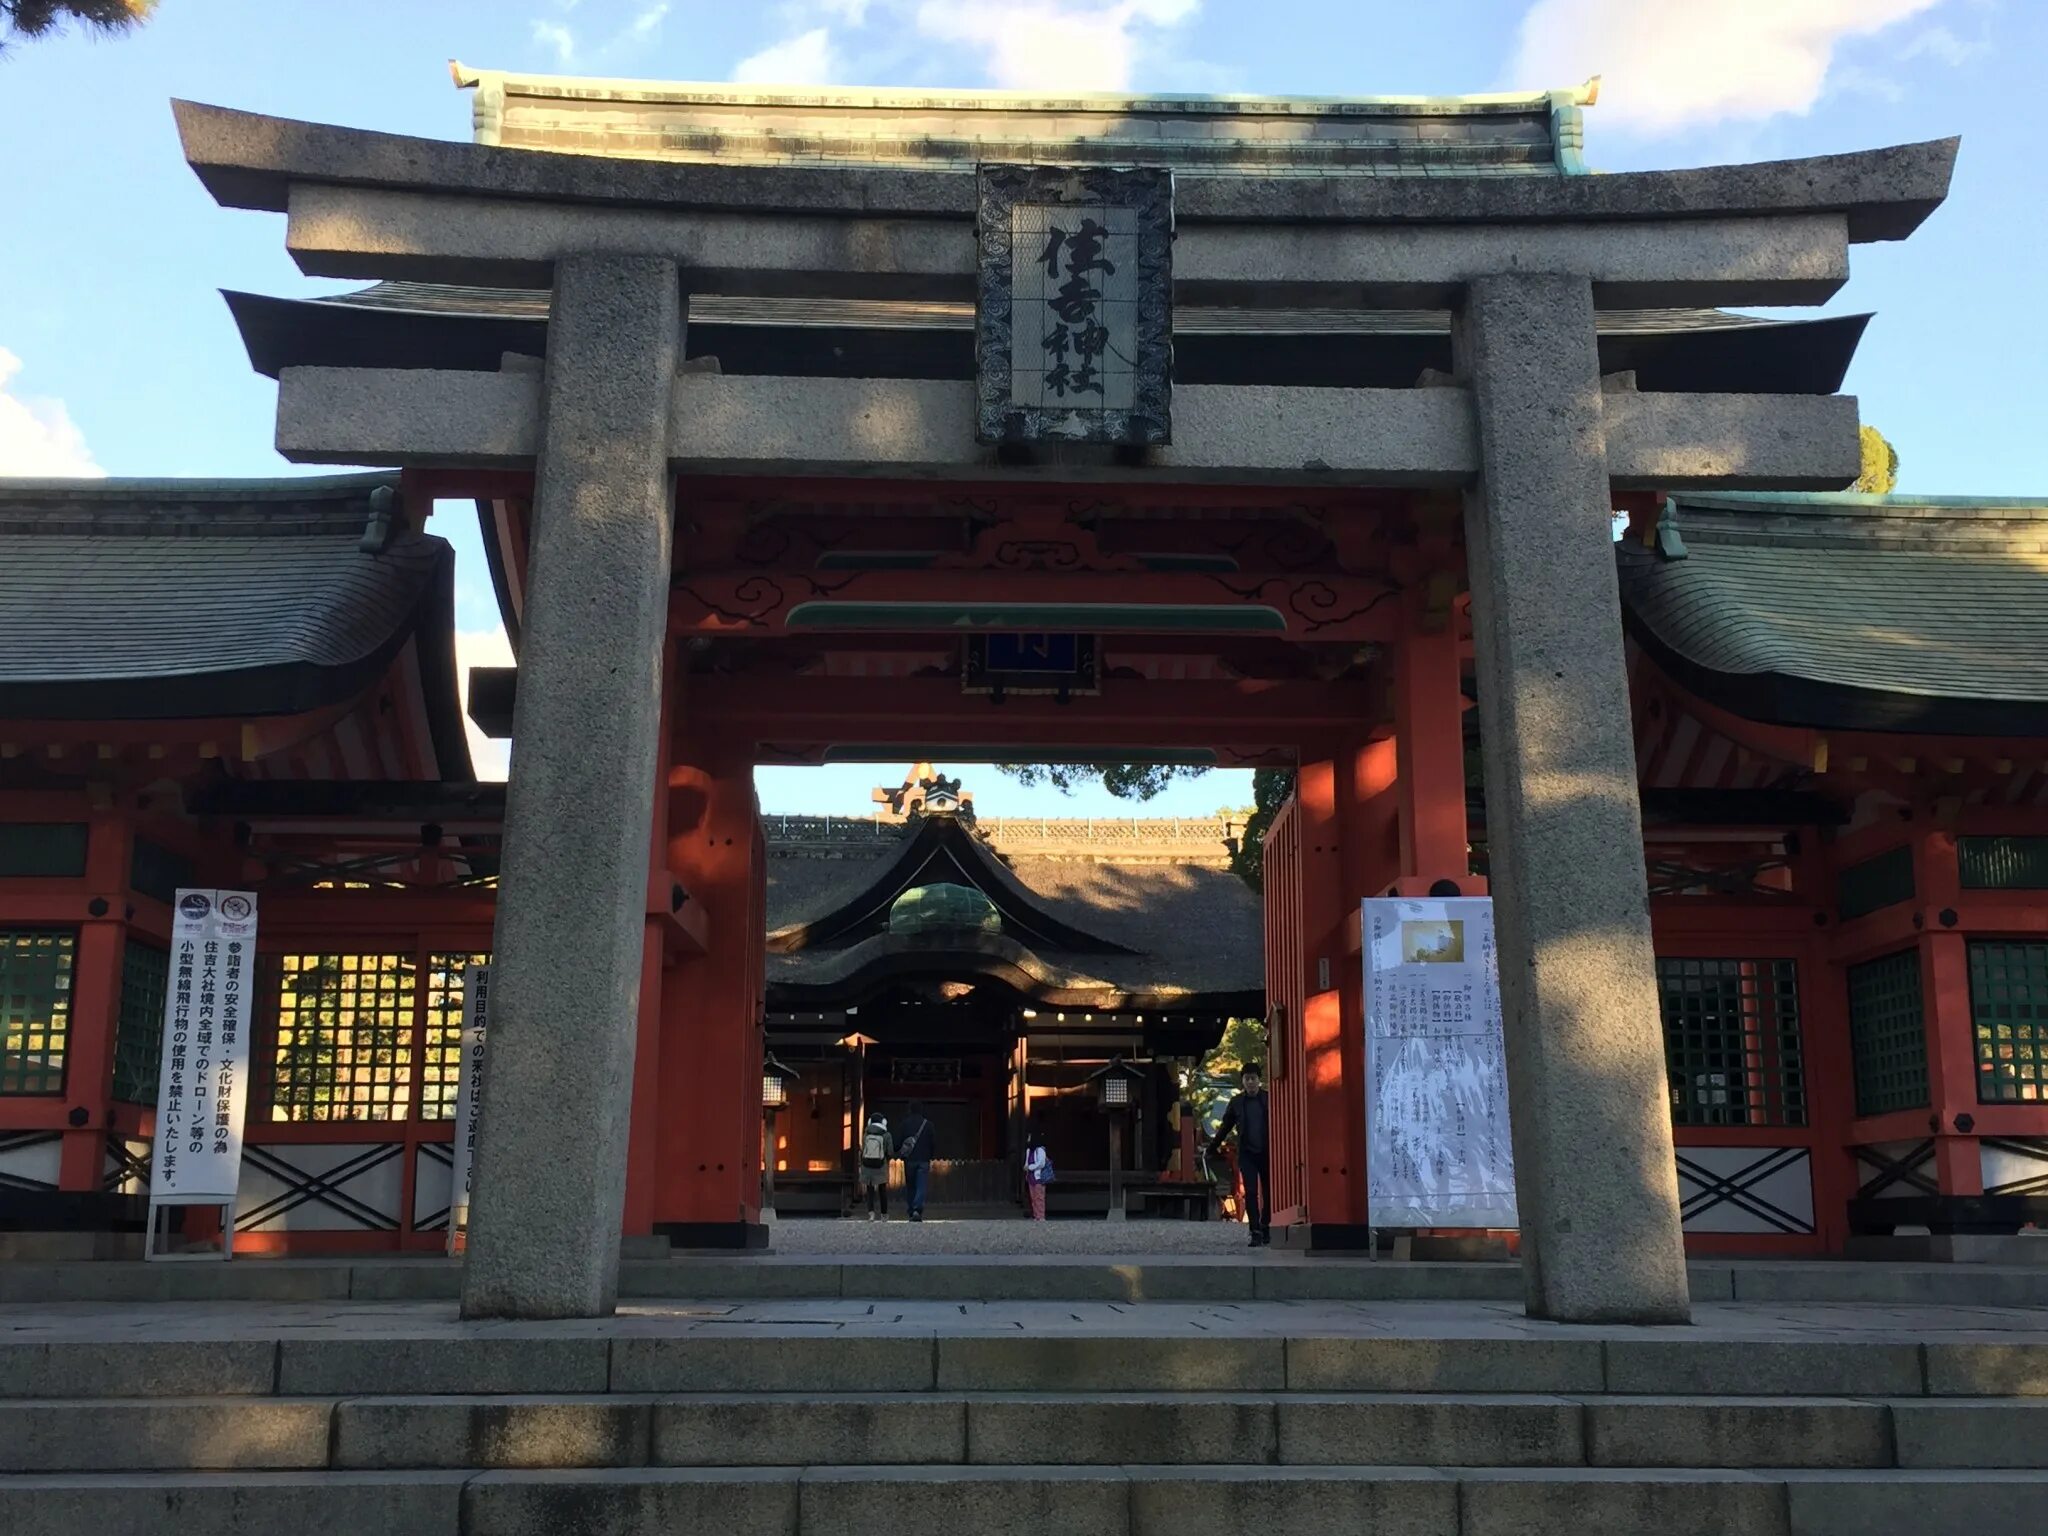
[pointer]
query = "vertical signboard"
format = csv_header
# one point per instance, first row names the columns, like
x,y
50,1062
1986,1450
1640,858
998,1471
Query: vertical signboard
x,y
1074,314
1438,1148
203,1090
476,1018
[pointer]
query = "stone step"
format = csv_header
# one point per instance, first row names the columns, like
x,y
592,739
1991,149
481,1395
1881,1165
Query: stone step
x,y
1015,1429
209,1359
998,1501
1280,1277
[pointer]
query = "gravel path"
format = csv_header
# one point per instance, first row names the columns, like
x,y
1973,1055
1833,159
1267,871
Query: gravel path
x,y
842,1236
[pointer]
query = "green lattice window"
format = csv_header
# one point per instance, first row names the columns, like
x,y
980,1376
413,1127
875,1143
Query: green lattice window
x,y
1888,1033
42,850
441,1054
1731,1041
1874,883
344,1046
156,871
2003,863
2009,1015
139,1036
35,1008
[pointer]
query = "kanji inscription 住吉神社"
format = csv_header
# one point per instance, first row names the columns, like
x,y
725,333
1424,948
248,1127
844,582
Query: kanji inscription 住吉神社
x,y
1075,316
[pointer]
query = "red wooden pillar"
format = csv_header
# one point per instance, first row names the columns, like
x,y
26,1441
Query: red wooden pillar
x,y
95,1003
642,1144
1830,1061
1429,727
708,1132
1326,1185
1348,843
1945,998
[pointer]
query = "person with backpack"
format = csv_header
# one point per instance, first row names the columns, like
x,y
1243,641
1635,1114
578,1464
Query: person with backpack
x,y
876,1148
1037,1173
916,1151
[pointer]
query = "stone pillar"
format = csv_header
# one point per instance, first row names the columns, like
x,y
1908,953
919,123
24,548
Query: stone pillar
x,y
1594,1173
567,957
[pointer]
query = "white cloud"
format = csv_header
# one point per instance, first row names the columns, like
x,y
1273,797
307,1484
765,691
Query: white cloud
x,y
570,50
1053,45
553,34
806,59
37,435
483,648
1666,65
1940,43
646,21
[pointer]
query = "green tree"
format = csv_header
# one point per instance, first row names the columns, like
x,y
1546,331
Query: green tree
x,y
40,18
1880,463
1270,789
1216,1079
1127,781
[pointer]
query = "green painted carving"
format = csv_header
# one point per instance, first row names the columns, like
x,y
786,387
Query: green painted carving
x,y
944,909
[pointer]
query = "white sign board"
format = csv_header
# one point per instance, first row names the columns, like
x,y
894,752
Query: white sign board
x,y
1438,1150
204,1087
476,1018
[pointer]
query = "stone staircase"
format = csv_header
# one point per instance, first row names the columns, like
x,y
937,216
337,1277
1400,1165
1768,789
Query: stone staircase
x,y
364,1421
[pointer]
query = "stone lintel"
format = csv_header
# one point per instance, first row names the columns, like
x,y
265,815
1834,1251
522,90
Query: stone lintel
x,y
924,428
248,160
362,232
365,232
1639,264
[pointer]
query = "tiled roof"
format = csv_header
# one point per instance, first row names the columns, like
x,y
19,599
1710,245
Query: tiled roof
x,y
1852,612
151,599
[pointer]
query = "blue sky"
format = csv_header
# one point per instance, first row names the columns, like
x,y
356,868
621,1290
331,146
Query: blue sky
x,y
117,355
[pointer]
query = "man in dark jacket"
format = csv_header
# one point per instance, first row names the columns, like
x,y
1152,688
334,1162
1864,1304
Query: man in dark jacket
x,y
1247,1115
916,1151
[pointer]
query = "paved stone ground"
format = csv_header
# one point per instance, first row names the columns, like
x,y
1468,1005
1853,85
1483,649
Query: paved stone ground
x,y
185,1321
846,1238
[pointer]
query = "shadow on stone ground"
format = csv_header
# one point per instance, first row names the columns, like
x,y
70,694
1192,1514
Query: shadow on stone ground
x,y
851,1236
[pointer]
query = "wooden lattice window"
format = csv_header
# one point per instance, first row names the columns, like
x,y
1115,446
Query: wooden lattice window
x,y
2009,1017
1888,1033
1731,1041
344,1037
2003,863
1878,882
35,1008
441,1053
139,1033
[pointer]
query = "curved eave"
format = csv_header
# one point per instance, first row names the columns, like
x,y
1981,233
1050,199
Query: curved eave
x,y
282,688
939,834
248,160
1782,698
1780,356
887,960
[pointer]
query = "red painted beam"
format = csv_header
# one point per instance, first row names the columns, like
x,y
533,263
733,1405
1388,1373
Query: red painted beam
x,y
796,706
1309,606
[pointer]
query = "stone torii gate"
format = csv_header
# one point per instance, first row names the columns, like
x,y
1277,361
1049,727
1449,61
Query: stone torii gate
x,y
1528,430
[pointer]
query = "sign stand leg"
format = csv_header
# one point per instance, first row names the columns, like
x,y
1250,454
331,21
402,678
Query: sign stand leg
x,y
226,1251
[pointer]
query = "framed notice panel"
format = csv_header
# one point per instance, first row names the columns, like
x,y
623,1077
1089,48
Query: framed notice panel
x,y
1438,1152
1074,313
476,1023
204,1087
